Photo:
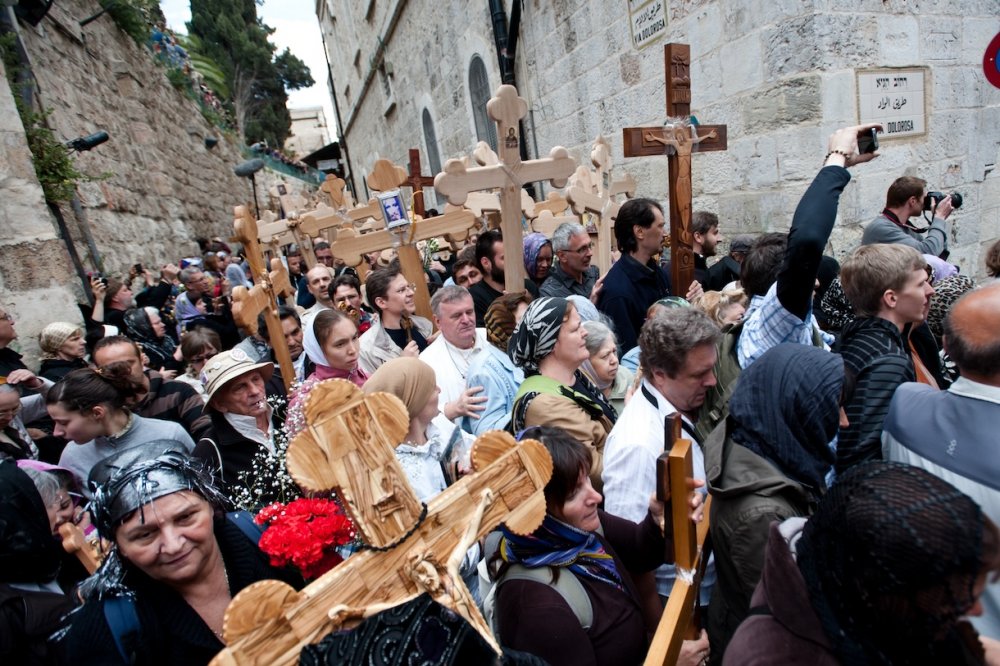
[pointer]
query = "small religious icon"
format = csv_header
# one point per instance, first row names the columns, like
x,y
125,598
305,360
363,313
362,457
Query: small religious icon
x,y
511,140
393,209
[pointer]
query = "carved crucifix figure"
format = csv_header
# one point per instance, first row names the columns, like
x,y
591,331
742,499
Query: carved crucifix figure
x,y
596,194
679,142
510,174
416,549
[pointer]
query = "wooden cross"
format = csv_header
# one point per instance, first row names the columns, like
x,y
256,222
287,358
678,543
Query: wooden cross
x,y
263,297
347,447
87,552
678,141
596,194
674,471
386,176
276,233
334,188
456,181
417,183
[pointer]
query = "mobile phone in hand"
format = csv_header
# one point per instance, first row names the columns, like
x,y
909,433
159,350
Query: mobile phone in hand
x,y
868,141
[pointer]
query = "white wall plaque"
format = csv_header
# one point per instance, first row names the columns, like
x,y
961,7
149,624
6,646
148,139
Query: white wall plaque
x,y
648,19
895,98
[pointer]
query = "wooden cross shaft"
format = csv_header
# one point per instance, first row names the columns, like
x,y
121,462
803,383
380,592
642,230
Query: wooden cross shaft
x,y
674,472
263,297
417,183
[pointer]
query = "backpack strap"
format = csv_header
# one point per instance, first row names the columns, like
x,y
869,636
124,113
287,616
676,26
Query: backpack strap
x,y
123,621
567,585
244,520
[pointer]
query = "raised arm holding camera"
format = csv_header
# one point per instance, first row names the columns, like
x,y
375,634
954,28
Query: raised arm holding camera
x,y
908,197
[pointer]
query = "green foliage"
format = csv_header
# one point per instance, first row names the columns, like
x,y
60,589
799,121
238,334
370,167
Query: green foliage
x,y
232,36
133,17
53,164
178,79
210,70
52,160
293,72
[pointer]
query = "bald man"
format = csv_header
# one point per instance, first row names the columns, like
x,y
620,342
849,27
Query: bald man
x,y
318,281
953,433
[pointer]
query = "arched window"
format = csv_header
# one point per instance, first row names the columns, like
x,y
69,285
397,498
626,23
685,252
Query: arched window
x,y
430,138
479,91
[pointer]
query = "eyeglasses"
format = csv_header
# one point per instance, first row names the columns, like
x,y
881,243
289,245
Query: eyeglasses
x,y
201,358
10,413
582,251
407,287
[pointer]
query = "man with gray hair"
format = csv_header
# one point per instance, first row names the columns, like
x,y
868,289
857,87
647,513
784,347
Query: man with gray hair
x,y
572,273
452,352
677,352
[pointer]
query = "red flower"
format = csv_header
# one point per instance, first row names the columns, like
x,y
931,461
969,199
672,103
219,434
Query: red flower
x,y
305,533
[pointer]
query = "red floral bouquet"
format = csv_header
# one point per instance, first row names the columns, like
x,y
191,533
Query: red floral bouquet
x,y
306,534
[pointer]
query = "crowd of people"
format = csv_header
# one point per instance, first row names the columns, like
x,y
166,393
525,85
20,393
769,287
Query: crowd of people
x,y
842,416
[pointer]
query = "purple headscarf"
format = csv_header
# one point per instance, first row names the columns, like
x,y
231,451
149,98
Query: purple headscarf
x,y
533,244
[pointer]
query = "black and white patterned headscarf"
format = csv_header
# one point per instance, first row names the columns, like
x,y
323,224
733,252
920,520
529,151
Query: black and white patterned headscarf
x,y
536,336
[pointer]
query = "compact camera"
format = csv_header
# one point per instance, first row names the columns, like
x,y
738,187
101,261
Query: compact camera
x,y
934,198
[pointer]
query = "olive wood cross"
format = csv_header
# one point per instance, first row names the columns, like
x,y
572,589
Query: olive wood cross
x,y
596,193
347,447
263,297
506,108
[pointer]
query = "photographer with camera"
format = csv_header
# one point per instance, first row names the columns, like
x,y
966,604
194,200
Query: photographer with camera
x,y
908,197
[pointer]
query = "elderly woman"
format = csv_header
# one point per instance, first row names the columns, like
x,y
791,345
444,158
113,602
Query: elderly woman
x,y
145,326
33,603
882,573
493,369
549,344
537,257
602,368
15,411
577,546
243,422
430,456
771,460
63,348
175,562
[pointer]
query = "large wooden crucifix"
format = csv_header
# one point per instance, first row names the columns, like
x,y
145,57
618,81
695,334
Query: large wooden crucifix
x,y
678,141
456,181
347,447
596,193
263,297
674,470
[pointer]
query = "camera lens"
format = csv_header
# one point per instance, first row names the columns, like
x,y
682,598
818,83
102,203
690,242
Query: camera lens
x,y
956,200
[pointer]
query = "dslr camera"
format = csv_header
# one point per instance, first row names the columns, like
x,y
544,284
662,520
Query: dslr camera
x,y
932,199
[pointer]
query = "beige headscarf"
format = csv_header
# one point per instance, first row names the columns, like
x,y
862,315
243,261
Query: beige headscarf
x,y
409,379
55,335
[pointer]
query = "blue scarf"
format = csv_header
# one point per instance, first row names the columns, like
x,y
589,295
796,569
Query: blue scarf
x,y
556,544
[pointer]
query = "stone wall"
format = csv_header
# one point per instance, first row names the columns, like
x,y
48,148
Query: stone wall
x,y
163,188
780,73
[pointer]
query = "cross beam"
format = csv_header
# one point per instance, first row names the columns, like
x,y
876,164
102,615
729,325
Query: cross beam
x,y
456,181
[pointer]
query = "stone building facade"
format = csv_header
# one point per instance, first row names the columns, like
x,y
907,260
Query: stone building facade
x,y
782,74
310,131
163,187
